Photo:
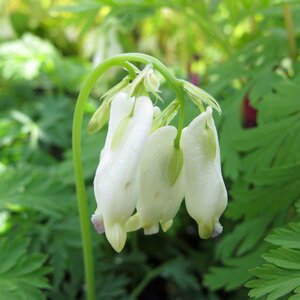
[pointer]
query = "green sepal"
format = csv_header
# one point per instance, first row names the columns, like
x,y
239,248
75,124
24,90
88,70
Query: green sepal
x,y
139,80
166,116
166,225
146,82
99,118
109,95
199,96
133,223
175,165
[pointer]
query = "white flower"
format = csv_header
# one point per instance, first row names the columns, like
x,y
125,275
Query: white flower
x,y
159,197
117,177
205,192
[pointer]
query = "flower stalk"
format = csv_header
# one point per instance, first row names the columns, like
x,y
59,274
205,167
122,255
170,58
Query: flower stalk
x,y
289,24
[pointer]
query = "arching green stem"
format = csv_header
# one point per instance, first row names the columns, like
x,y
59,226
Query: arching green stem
x,y
121,60
291,36
131,69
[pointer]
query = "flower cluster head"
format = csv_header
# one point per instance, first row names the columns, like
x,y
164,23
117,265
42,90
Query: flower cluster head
x,y
147,167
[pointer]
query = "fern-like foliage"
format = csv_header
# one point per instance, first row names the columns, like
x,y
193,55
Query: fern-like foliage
x,y
262,163
22,275
280,275
36,190
264,197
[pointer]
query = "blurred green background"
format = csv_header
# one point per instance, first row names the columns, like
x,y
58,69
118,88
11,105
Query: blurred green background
x,y
245,53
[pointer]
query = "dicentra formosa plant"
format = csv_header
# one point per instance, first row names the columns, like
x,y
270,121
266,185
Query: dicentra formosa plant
x,y
142,166
146,164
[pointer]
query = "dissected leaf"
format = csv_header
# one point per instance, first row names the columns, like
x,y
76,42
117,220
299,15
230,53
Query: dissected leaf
x,y
21,276
34,189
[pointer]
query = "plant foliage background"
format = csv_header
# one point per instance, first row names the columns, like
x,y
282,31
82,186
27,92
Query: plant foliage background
x,y
242,52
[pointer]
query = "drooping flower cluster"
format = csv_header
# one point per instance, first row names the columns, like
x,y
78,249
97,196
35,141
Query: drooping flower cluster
x,y
143,175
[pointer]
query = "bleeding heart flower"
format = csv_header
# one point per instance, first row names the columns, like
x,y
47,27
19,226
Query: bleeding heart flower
x,y
160,194
205,191
116,184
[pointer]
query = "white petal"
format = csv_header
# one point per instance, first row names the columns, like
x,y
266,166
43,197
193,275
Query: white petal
x,y
159,200
156,111
121,107
116,181
205,195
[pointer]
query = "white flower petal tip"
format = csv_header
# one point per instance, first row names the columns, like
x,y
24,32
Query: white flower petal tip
x,y
152,229
218,230
116,236
209,110
97,221
166,225
207,231
133,223
204,230
205,191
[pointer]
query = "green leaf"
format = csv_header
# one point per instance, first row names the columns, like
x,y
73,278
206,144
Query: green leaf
x,y
286,237
281,275
79,8
274,281
179,270
36,189
90,157
278,187
21,275
234,272
245,236
284,258
112,287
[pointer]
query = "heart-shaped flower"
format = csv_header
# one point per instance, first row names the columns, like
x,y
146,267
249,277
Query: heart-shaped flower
x,y
205,191
117,177
160,195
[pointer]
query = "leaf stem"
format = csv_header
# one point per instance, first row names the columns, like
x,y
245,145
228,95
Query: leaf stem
x,y
85,226
288,20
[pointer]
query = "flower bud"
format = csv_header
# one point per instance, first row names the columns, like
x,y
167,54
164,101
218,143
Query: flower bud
x,y
99,118
146,81
156,111
151,81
